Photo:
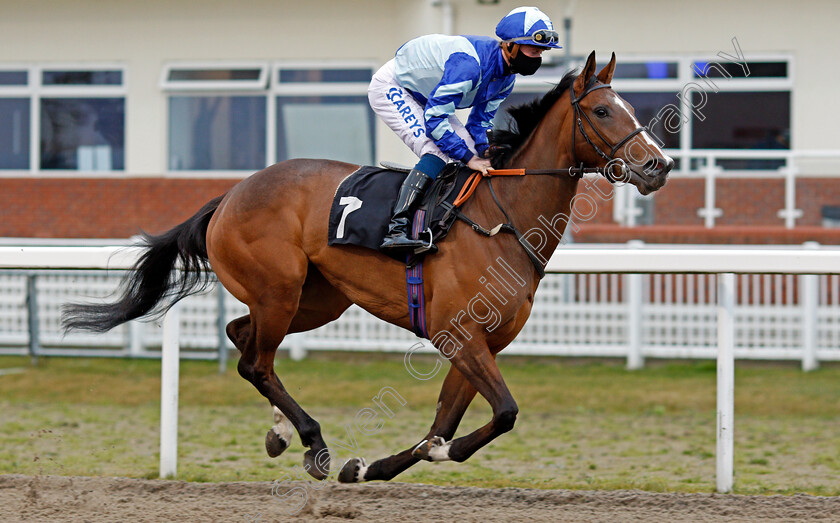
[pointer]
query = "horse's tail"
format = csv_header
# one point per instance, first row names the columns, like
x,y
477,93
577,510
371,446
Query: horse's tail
x,y
151,281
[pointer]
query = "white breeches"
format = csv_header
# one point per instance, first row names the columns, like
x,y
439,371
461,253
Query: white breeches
x,y
404,115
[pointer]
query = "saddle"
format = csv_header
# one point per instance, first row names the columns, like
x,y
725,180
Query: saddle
x,y
361,208
361,211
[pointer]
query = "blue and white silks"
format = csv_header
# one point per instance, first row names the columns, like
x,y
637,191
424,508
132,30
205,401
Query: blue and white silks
x,y
445,73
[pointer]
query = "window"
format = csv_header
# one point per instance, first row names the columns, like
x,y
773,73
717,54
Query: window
x,y
217,117
334,127
14,78
220,75
81,78
650,70
720,104
323,112
743,106
78,115
742,121
85,134
732,70
216,132
238,118
14,133
647,106
215,77
324,75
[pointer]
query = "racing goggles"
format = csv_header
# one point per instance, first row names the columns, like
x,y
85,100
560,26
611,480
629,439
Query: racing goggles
x,y
542,36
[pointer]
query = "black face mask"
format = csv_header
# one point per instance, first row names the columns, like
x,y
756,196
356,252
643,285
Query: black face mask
x,y
524,65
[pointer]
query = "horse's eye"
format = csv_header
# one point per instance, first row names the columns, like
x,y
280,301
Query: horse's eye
x,y
600,112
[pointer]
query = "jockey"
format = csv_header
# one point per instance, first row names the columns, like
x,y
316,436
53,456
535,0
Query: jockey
x,y
417,92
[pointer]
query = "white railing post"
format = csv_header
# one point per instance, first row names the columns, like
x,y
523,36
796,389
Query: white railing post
x,y
221,333
135,339
635,359
297,346
725,380
169,369
710,212
790,213
32,318
809,301
625,210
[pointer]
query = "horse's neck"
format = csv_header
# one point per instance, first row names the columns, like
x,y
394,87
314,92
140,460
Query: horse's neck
x,y
542,201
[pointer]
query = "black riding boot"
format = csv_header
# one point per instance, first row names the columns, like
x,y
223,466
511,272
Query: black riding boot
x,y
410,193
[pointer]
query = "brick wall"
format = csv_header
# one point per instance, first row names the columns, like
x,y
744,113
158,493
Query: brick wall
x,y
750,202
121,207
745,202
100,208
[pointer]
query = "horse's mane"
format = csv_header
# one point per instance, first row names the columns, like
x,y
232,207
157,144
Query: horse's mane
x,y
524,119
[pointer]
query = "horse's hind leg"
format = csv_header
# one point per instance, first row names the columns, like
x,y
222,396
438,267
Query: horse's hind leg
x,y
271,314
455,396
319,304
238,331
269,324
279,437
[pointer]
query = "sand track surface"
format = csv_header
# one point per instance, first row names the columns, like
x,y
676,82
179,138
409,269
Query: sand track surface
x,y
100,499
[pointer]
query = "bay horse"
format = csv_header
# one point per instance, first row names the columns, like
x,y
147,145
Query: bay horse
x,y
266,241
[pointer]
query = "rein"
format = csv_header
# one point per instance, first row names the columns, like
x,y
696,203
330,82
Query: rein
x,y
574,172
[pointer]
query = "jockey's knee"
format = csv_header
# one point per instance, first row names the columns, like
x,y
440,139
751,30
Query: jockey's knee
x,y
431,165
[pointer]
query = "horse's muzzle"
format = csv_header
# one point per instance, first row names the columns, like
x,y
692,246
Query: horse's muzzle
x,y
657,167
654,174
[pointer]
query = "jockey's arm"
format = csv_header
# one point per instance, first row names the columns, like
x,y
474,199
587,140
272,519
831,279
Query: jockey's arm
x,y
481,117
461,74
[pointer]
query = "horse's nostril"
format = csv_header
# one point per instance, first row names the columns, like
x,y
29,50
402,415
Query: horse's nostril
x,y
652,166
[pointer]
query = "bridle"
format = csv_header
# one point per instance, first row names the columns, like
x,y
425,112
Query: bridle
x,y
607,172
577,170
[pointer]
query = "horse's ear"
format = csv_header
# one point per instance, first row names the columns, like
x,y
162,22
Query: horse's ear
x,y
606,74
588,70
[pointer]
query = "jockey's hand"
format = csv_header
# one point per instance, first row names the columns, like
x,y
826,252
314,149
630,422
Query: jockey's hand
x,y
479,164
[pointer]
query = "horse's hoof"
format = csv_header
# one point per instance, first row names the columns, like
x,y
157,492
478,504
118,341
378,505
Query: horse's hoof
x,y
435,449
353,471
275,444
317,464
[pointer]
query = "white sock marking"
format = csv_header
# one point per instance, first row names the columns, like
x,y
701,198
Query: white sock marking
x,y
362,470
440,452
283,427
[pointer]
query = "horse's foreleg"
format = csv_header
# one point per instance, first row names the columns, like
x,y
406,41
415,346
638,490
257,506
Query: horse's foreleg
x,y
455,396
478,366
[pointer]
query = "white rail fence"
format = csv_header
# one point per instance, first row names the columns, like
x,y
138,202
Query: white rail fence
x,y
810,262
633,316
713,165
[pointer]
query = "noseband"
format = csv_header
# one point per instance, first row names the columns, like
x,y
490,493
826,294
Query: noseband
x,y
579,112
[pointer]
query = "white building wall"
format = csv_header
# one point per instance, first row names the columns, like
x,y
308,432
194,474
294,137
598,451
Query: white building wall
x,y
145,35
